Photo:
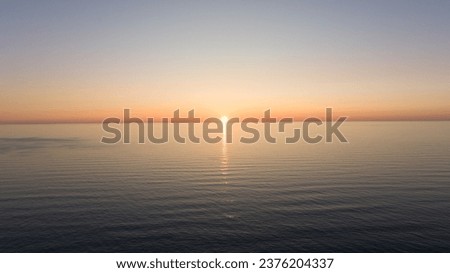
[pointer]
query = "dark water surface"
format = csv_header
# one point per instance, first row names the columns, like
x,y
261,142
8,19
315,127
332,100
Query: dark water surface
x,y
388,190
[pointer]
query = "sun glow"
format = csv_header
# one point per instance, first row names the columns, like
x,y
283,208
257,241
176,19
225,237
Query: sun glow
x,y
224,119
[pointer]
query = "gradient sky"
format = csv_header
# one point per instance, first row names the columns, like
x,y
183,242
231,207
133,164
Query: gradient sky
x,y
82,61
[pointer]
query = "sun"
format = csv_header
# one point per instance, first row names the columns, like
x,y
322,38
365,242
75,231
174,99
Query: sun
x,y
224,119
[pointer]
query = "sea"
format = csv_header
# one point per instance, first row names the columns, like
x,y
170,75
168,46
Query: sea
x,y
386,190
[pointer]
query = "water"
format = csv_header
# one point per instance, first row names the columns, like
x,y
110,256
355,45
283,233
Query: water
x,y
388,190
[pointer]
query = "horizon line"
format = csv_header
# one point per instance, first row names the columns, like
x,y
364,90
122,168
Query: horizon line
x,y
160,121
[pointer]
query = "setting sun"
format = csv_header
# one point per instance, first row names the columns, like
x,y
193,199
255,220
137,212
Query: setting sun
x,y
224,119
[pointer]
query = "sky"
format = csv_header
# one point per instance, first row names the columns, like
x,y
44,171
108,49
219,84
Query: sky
x,y
84,61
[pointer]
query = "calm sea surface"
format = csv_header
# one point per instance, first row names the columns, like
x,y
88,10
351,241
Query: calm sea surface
x,y
388,190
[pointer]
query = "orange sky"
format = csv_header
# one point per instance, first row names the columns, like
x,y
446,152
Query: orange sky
x,y
69,62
